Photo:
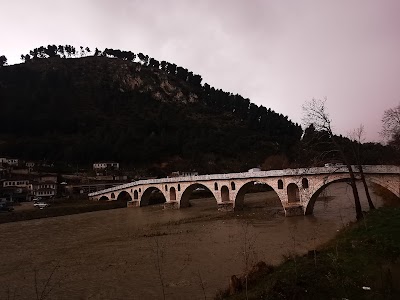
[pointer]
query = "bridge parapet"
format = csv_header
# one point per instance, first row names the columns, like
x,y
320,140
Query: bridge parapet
x,y
297,189
378,169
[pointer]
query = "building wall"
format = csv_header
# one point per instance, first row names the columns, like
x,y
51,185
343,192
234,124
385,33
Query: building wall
x,y
16,183
111,165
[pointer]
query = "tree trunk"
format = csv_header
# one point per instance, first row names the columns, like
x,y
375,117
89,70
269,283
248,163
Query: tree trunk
x,y
370,203
357,203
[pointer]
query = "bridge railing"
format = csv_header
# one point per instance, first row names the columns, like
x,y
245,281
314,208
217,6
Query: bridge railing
x,y
368,169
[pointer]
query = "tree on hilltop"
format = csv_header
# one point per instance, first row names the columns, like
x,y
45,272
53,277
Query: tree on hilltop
x,y
3,60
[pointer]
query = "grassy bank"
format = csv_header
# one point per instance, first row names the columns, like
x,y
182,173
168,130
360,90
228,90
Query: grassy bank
x,y
61,208
362,262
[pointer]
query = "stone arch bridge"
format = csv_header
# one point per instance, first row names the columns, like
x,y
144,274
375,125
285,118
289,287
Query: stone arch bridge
x,y
297,189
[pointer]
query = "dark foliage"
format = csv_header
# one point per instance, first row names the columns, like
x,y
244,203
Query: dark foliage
x,y
3,60
315,149
96,108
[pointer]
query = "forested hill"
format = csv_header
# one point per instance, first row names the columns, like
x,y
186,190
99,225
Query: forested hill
x,y
146,113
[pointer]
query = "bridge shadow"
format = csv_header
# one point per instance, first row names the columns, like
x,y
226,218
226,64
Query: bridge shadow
x,y
257,195
321,194
152,196
335,200
196,194
124,196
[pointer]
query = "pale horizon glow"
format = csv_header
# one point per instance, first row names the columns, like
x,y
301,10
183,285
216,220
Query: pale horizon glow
x,y
278,54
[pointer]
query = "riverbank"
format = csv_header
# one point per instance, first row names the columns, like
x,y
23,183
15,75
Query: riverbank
x,y
362,262
59,208
64,206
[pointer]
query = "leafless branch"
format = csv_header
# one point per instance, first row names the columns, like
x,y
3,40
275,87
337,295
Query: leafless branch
x,y
391,122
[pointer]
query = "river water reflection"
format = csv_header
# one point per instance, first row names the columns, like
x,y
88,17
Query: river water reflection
x,y
120,254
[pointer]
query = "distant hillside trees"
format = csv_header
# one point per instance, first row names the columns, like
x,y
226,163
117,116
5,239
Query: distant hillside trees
x,y
98,108
68,51
65,116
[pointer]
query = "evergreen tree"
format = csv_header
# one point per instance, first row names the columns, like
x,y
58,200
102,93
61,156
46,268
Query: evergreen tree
x,y
3,60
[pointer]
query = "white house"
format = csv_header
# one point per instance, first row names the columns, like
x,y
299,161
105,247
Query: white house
x,y
183,174
17,184
106,165
9,161
252,170
12,161
44,189
30,164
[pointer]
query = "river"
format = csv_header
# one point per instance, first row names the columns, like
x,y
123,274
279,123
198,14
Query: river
x,y
132,253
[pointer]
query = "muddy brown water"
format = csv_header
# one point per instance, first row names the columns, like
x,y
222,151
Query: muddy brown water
x,y
122,253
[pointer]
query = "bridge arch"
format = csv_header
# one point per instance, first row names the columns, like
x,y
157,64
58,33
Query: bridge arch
x,y
172,194
293,193
390,187
104,198
112,196
152,195
135,195
124,196
185,198
309,206
239,200
224,193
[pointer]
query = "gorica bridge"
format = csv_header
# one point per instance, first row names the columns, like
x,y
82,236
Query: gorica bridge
x,y
297,189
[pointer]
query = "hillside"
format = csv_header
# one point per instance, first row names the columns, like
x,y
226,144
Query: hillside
x,y
80,110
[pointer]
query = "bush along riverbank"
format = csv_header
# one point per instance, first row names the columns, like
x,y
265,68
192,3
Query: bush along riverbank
x,y
362,262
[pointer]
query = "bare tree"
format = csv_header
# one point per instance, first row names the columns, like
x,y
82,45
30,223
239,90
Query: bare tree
x,y
358,137
391,126
315,113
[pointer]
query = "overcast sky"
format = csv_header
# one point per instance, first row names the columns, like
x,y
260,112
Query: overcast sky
x,y
277,53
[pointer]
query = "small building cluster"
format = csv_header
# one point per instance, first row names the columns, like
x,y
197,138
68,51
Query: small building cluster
x,y
183,174
22,181
23,188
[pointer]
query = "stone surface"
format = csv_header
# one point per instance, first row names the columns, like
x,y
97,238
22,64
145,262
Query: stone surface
x,y
225,206
294,210
132,203
171,205
297,189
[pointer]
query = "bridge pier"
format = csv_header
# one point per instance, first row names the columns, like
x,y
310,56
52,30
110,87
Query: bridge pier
x,y
171,205
225,206
133,203
294,210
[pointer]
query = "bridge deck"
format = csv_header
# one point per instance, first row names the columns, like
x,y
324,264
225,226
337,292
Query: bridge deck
x,y
368,169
